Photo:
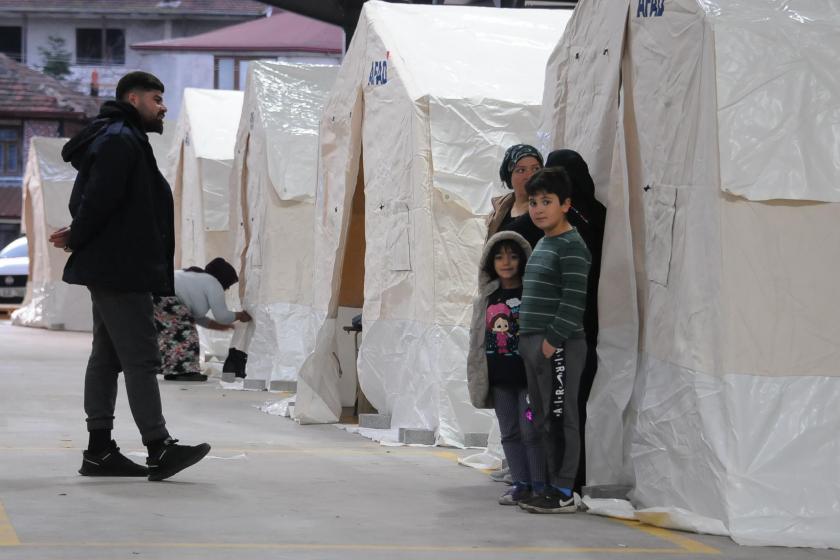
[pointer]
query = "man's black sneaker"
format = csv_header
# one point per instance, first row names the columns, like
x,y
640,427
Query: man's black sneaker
x,y
174,458
185,377
550,501
110,463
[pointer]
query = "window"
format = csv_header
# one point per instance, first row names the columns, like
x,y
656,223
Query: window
x,y
98,46
230,72
11,43
10,152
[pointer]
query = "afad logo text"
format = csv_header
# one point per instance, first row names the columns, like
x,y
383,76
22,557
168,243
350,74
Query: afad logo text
x,y
650,8
378,73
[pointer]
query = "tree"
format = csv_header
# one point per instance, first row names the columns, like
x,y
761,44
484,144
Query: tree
x,y
56,58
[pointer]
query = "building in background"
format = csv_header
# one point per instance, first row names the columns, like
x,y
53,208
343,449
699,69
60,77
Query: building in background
x,y
96,33
32,104
219,59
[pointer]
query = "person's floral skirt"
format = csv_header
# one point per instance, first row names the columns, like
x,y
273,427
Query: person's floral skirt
x,y
177,337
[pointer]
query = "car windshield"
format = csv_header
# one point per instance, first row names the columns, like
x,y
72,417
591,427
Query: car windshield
x,y
14,249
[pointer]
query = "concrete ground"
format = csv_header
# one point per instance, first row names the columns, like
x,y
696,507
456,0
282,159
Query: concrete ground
x,y
269,489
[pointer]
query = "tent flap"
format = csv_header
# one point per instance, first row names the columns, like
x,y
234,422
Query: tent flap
x,y
779,115
468,140
273,183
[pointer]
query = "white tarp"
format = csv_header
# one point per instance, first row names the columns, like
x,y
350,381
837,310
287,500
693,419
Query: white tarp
x,y
428,98
274,183
719,348
47,184
201,161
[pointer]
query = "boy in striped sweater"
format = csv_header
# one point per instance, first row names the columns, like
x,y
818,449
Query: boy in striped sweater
x,y
552,342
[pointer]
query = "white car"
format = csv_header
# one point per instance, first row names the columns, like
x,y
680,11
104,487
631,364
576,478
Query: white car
x,y
14,269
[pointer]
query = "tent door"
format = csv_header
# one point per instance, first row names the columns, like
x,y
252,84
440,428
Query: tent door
x,y
350,301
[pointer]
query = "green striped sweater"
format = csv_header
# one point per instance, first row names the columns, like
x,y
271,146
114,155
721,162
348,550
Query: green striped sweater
x,y
554,288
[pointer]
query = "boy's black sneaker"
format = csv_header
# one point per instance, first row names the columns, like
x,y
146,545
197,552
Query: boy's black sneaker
x,y
174,458
110,462
550,501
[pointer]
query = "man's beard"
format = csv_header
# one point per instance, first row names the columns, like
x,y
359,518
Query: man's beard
x,y
153,125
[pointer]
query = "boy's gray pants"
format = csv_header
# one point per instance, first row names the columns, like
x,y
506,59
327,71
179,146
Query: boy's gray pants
x,y
124,339
558,425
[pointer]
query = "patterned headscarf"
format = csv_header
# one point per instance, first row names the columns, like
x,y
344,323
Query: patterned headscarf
x,y
512,157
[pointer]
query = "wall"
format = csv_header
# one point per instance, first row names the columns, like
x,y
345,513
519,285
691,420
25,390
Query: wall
x,y
178,71
40,28
32,128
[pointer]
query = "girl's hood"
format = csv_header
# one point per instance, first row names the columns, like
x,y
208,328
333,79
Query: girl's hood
x,y
483,277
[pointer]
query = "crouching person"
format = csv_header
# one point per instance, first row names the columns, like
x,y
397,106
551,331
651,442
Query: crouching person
x,y
197,291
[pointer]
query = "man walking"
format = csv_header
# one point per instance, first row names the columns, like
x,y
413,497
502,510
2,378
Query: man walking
x,y
122,244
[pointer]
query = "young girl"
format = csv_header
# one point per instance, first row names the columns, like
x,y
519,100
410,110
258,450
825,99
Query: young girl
x,y
495,372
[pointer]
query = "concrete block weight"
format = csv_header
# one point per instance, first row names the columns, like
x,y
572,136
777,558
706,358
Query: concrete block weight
x,y
475,439
607,491
287,386
375,421
418,436
254,384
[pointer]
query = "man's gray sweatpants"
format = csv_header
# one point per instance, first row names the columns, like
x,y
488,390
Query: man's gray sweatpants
x,y
558,425
124,339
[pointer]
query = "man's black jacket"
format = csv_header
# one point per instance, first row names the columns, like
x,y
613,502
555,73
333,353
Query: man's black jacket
x,y
123,235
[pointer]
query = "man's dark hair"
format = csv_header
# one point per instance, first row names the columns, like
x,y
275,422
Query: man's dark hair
x,y
551,180
498,247
138,80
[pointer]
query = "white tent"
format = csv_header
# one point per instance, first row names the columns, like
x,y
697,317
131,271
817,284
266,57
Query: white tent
x,y
712,129
274,181
47,184
428,98
201,160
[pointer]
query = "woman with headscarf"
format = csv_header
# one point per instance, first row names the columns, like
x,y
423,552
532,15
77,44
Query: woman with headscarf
x,y
197,291
510,211
588,216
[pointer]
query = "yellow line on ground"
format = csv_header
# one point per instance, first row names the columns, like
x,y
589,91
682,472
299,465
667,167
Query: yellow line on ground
x,y
685,543
450,455
367,547
8,536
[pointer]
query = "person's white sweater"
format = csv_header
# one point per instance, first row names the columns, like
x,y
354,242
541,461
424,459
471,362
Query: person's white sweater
x,y
201,293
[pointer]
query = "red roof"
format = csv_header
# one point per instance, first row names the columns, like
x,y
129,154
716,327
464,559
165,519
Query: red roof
x,y
30,93
11,202
156,7
282,32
